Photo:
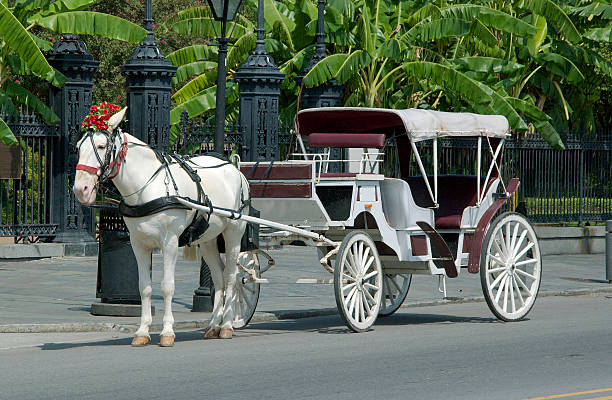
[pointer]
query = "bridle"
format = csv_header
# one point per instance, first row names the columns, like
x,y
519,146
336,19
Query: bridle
x,y
110,168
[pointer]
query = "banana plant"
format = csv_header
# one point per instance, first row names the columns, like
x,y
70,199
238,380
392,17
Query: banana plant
x,y
21,47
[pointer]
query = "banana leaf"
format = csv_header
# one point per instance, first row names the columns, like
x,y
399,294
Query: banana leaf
x,y
187,71
94,23
19,40
190,54
555,16
6,135
23,96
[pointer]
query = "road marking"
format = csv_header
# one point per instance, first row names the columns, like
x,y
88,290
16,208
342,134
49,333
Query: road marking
x,y
558,396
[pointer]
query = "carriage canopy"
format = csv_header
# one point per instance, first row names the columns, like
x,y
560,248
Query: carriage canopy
x,y
418,124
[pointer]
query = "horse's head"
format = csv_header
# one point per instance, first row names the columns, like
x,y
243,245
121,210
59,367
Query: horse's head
x,y
97,151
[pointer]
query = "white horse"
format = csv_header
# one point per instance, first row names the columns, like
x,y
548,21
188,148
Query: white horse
x,y
134,165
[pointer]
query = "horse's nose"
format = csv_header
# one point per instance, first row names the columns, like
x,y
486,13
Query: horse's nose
x,y
82,191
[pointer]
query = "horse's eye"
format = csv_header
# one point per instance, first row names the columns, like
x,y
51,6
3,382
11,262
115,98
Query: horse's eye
x,y
101,147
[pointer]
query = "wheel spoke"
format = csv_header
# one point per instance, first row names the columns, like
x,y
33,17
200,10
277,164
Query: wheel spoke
x,y
399,290
249,304
356,256
494,270
348,263
366,305
351,278
498,279
505,306
371,274
352,295
369,285
361,310
499,250
520,281
512,294
360,254
349,296
525,262
349,286
365,265
502,243
514,235
519,243
497,260
525,250
246,287
369,297
520,271
508,237
518,291
501,286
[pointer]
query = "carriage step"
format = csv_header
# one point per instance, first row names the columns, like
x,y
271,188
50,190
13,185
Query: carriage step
x,y
448,260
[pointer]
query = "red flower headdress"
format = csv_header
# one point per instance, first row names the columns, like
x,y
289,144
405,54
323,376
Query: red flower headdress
x,y
98,116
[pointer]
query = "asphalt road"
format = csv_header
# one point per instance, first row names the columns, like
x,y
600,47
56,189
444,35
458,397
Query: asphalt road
x,y
444,352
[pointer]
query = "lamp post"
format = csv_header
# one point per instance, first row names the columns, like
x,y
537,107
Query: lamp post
x,y
223,11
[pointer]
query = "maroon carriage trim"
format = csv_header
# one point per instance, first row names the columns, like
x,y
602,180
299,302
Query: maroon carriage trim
x,y
478,237
376,140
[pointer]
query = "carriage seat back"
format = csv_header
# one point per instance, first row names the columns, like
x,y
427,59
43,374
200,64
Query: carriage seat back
x,y
344,140
455,193
278,180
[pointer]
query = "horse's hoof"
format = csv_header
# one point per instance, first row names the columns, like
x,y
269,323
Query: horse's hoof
x,y
212,333
226,333
166,340
140,341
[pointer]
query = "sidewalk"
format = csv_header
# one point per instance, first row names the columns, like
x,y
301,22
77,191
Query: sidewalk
x,y
55,294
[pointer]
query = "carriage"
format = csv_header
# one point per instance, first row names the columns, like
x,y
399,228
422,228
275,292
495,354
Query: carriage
x,y
374,232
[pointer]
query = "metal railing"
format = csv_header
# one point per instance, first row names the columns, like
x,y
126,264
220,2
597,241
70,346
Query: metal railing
x,y
25,211
198,137
571,185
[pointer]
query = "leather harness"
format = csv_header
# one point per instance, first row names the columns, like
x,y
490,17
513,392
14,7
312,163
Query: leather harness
x,y
199,223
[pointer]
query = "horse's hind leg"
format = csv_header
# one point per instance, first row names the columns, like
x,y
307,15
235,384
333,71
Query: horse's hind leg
x,y
211,256
232,235
170,254
143,257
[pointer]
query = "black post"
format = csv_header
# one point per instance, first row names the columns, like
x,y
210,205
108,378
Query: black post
x,y
220,106
148,83
330,93
76,224
259,81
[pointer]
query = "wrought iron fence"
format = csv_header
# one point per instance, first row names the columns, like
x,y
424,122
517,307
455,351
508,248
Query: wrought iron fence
x,y
196,136
571,185
25,202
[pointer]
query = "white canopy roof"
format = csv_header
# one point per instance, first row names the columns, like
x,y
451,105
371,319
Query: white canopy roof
x,y
419,124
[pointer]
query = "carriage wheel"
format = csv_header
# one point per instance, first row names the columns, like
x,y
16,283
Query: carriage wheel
x,y
247,293
395,290
358,281
510,267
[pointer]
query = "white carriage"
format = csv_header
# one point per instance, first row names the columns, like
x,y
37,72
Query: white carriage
x,y
377,231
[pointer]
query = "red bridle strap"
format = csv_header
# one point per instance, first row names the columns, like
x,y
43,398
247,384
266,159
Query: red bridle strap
x,y
87,168
117,163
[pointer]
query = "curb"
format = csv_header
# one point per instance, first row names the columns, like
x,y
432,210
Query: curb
x,y
257,317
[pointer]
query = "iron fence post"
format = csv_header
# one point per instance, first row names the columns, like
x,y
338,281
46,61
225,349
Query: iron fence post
x,y
259,81
581,185
76,224
609,251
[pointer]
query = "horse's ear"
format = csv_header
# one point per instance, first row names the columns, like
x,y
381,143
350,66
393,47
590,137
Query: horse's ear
x,y
116,119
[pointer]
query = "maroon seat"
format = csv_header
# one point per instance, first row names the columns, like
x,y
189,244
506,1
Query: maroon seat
x,y
455,193
338,174
376,140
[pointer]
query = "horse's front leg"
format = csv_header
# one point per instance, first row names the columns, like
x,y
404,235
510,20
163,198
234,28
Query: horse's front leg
x,y
143,258
170,254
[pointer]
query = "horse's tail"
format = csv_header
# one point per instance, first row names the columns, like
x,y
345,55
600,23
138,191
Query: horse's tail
x,y
190,253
